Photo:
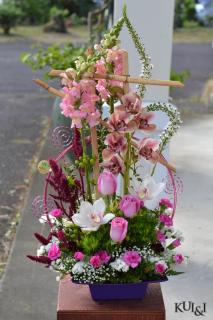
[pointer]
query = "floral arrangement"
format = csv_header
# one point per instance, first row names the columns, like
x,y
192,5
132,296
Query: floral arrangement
x,y
108,222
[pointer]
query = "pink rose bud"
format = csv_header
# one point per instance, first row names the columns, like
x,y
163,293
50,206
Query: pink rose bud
x,y
132,258
178,258
107,183
54,252
160,267
130,205
78,255
118,229
166,202
95,261
56,213
176,243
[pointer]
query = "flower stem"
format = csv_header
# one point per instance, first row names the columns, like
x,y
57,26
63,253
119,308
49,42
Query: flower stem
x,y
111,103
127,164
87,169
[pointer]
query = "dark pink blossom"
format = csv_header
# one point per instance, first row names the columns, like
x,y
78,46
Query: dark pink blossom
x,y
167,220
178,258
104,256
166,202
95,261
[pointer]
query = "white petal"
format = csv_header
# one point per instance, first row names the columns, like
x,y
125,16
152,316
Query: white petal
x,y
92,228
80,220
107,217
159,187
86,208
99,206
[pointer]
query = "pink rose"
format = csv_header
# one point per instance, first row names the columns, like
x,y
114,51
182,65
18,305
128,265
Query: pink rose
x,y
107,183
167,220
118,229
56,213
176,243
103,255
132,258
160,236
78,255
54,252
166,202
160,267
178,258
130,205
95,261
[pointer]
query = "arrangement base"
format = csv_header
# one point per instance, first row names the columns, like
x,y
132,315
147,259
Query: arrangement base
x,y
120,291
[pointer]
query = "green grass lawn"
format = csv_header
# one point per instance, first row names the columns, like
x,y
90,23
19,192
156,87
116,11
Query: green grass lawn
x,y
193,35
77,34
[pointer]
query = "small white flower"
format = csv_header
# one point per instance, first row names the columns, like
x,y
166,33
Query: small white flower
x,y
41,251
91,217
78,267
168,211
119,265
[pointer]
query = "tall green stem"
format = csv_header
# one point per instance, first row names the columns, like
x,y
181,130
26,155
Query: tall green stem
x,y
127,164
87,168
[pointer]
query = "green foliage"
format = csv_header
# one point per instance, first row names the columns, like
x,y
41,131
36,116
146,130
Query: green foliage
x,y
142,228
9,17
55,57
56,12
34,12
76,20
184,11
180,76
144,58
81,8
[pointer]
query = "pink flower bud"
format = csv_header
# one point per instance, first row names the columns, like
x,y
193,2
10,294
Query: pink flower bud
x,y
104,256
130,205
78,255
178,258
56,213
118,229
54,252
166,202
160,267
176,243
107,183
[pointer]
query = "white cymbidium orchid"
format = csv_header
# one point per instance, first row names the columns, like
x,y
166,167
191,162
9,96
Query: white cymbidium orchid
x,y
148,191
91,216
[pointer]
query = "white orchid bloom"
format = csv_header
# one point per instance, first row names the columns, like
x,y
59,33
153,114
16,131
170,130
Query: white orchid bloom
x,y
148,191
91,217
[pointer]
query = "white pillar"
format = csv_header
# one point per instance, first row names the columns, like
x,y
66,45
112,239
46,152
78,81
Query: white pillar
x,y
153,21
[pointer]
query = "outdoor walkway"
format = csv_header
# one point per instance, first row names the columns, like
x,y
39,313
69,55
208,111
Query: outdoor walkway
x,y
30,291
192,154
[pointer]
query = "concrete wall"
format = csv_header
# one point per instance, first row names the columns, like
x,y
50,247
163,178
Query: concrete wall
x,y
153,20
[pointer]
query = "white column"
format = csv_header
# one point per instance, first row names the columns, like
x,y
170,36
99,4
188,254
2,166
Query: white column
x,y
153,21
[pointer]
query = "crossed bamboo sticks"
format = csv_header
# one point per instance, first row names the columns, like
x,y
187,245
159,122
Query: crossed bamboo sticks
x,y
126,79
122,78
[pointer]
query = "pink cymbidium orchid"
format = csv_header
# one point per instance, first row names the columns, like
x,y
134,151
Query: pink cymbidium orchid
x,y
116,142
143,121
131,103
121,122
113,163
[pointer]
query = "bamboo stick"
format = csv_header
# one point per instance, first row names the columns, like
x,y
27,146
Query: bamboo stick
x,y
52,90
124,78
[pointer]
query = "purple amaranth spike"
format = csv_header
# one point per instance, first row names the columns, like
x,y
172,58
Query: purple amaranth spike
x,y
41,239
40,259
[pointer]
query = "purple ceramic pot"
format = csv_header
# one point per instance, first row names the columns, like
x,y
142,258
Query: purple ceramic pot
x,y
120,291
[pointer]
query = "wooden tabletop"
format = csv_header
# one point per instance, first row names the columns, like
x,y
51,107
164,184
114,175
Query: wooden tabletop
x,y
75,303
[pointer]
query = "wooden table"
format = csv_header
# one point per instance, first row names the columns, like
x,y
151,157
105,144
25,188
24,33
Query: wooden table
x,y
75,303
